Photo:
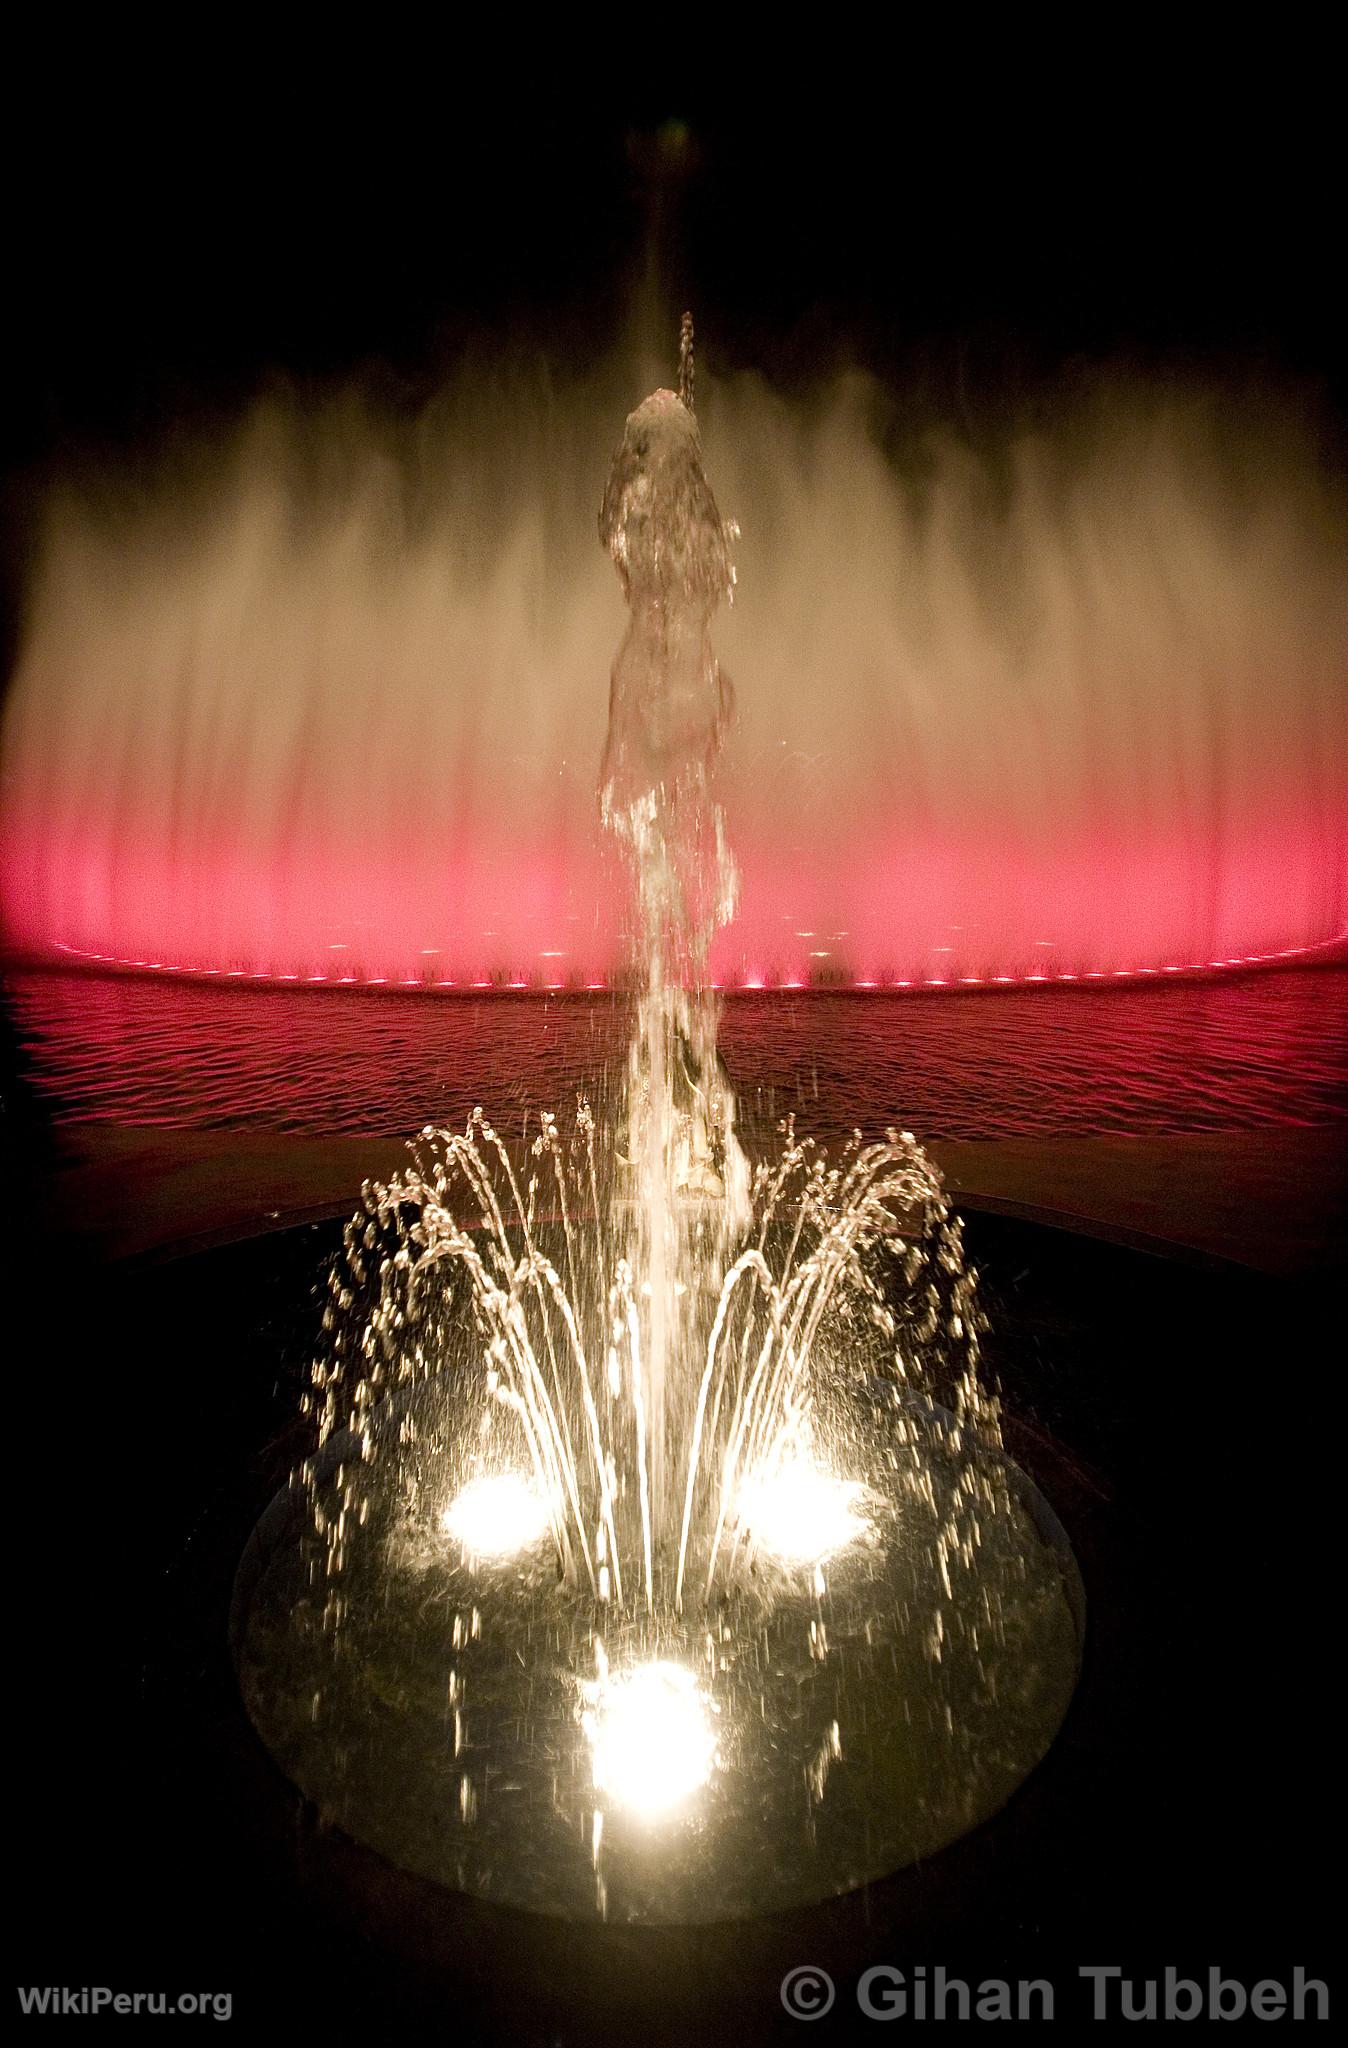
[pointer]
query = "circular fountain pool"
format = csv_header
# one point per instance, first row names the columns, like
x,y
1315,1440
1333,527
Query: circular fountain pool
x,y
821,1723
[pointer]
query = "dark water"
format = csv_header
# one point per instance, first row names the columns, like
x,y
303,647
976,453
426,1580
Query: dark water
x,y
1243,1054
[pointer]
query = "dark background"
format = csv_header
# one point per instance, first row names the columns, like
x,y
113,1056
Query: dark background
x,y
175,234
989,227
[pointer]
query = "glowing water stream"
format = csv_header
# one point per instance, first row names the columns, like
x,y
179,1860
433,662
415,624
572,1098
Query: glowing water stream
x,y
617,1405
668,709
653,1323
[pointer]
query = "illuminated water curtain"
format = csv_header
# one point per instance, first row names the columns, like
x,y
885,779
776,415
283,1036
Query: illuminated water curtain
x,y
1070,712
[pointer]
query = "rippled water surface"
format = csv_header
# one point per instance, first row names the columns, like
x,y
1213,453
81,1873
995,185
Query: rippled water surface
x,y
1267,1050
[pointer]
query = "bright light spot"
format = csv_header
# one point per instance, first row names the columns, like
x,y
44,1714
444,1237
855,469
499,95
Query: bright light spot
x,y
651,1736
497,1515
800,1514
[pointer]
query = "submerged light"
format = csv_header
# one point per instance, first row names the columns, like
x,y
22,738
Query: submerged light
x,y
800,1513
496,1515
652,1739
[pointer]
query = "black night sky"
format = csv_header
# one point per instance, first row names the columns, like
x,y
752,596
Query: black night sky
x,y
979,243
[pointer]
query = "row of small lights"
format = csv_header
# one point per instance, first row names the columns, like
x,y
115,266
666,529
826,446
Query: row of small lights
x,y
752,984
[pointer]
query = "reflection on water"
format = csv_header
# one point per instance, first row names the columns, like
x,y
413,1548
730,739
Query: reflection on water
x,y
1268,1050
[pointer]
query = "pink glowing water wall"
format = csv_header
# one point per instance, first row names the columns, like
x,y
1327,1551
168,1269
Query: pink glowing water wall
x,y
327,703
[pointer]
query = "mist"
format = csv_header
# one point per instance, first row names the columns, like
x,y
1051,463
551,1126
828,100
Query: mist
x,y
324,696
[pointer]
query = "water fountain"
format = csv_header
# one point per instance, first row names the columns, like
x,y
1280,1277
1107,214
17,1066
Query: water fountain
x,y
658,1557
313,703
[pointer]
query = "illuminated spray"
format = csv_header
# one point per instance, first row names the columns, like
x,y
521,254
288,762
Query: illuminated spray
x,y
316,703
688,1456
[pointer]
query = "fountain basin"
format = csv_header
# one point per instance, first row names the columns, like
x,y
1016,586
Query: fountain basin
x,y
862,1716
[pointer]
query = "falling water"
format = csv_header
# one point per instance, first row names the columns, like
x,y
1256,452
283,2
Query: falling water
x,y
612,1320
616,1443
874,1618
317,701
669,707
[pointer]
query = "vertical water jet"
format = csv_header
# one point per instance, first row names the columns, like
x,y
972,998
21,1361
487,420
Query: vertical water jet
x,y
607,1405
669,706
